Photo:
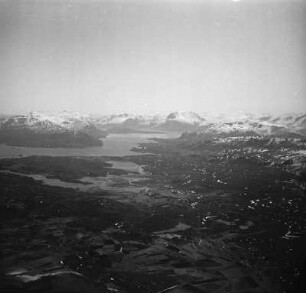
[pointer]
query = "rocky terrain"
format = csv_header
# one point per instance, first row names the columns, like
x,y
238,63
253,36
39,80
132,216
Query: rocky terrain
x,y
252,186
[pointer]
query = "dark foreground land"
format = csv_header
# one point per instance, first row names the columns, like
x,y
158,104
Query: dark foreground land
x,y
211,216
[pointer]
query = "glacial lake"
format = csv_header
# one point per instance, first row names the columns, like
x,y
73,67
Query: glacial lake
x,y
118,144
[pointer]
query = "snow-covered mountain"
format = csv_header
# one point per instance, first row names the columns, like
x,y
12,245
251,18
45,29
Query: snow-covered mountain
x,y
236,124
35,129
47,122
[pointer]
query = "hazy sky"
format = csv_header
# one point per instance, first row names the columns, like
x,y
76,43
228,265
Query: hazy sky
x,y
153,56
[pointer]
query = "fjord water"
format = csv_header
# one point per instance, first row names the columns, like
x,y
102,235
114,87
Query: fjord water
x,y
113,145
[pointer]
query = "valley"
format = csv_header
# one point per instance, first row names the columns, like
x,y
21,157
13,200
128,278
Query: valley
x,y
155,212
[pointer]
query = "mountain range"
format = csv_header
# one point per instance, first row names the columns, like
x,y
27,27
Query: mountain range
x,y
76,129
73,121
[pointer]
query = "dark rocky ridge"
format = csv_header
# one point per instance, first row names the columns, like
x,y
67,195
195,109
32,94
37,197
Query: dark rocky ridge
x,y
29,138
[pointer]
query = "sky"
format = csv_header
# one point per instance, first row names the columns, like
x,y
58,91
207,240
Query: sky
x,y
146,56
